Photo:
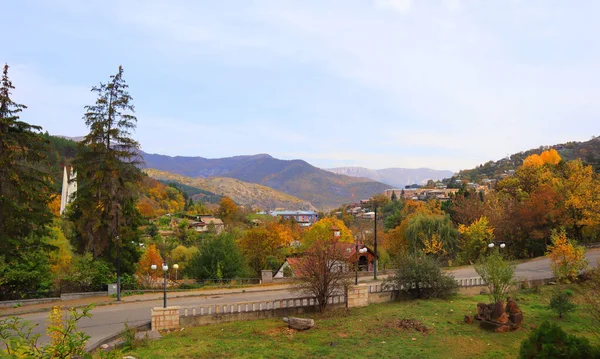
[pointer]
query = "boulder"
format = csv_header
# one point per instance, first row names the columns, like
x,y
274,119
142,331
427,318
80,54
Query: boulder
x,y
497,310
512,307
516,318
299,323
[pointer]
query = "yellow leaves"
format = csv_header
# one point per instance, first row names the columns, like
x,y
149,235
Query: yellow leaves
x,y
549,156
54,205
433,245
567,258
144,272
55,320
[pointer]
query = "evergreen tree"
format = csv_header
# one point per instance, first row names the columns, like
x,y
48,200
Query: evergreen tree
x,y
394,198
24,186
104,208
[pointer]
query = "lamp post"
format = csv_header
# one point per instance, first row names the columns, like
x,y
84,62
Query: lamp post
x,y
357,252
492,245
176,267
165,268
375,246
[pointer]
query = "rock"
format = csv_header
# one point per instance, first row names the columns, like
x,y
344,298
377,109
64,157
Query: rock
x,y
503,318
512,307
551,283
497,310
468,319
299,323
104,346
516,318
482,308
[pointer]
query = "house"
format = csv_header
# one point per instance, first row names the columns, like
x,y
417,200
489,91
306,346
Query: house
x,y
365,261
303,218
205,222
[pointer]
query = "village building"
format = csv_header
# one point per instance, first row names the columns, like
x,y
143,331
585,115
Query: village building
x,y
303,218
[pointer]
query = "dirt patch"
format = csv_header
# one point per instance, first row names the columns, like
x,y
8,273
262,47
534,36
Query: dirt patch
x,y
280,332
408,324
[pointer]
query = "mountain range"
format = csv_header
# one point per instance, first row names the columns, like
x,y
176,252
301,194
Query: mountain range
x,y
321,188
397,177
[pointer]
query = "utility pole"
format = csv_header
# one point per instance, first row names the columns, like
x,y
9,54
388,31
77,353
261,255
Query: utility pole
x,y
118,261
375,247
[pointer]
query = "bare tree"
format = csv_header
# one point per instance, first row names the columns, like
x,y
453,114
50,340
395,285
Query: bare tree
x,y
321,272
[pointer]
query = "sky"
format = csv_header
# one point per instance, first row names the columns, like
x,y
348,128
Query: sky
x,y
444,84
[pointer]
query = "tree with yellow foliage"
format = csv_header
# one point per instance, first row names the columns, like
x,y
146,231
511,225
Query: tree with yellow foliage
x,y
567,258
321,231
474,239
258,244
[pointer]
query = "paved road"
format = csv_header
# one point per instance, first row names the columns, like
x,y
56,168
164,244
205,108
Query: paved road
x,y
533,269
110,319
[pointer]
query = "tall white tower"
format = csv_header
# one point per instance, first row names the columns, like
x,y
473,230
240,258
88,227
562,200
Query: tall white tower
x,y
69,188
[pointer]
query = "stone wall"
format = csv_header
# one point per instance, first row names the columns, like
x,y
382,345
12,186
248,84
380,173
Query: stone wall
x,y
358,296
165,318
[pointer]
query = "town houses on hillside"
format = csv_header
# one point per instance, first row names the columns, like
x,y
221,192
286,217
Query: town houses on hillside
x,y
303,218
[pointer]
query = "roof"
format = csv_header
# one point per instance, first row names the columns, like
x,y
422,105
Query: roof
x,y
293,213
209,220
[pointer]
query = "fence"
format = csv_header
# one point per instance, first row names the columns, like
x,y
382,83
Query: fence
x,y
263,305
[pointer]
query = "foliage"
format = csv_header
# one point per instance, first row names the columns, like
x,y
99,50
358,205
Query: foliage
x,y
550,341
567,258
271,240
431,233
228,210
474,239
498,274
107,178
26,276
592,297
182,256
218,258
24,186
320,272
561,304
87,274
145,274
66,341
421,276
322,231
158,199
61,256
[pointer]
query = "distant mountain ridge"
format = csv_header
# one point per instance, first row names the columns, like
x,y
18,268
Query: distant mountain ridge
x,y
397,177
298,178
243,193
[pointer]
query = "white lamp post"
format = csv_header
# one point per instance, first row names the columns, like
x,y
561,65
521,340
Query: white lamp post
x,y
165,268
176,267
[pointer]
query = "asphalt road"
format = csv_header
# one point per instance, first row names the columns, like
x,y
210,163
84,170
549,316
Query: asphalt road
x,y
109,319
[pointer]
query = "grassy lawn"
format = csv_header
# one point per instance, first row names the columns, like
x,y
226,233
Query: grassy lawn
x,y
371,332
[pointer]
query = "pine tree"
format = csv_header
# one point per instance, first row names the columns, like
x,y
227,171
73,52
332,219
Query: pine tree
x,y
394,198
104,208
24,187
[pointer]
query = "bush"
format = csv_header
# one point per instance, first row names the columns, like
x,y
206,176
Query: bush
x,y
550,341
422,277
87,274
561,304
567,257
497,272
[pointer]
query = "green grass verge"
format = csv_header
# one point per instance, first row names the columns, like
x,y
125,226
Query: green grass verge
x,y
371,332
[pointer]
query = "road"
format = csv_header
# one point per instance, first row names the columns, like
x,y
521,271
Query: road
x,y
532,269
109,319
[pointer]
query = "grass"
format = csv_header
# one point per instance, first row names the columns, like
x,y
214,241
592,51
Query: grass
x,y
371,332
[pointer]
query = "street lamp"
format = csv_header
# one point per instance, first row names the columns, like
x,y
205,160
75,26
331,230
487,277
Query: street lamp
x,y
176,267
357,252
165,268
491,245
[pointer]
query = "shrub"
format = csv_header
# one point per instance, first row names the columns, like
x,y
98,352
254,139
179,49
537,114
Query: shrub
x,y
561,304
567,257
422,277
550,341
497,272
87,275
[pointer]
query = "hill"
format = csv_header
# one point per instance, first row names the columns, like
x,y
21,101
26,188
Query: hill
x,y
297,178
587,151
397,177
243,193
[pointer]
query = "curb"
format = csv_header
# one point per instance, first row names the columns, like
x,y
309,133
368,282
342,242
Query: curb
x,y
112,337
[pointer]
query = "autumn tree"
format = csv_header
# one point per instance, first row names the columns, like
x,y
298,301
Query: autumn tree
x,y
258,244
322,229
228,210
104,208
431,233
474,239
144,271
319,273
25,188
567,258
